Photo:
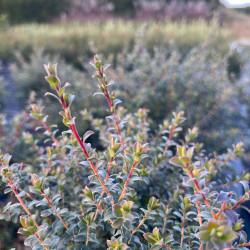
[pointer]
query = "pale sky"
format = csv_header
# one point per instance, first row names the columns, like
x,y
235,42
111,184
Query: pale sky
x,y
236,3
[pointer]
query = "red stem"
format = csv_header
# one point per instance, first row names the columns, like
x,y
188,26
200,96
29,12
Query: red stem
x,y
224,206
243,198
127,182
49,131
73,128
113,113
169,139
39,239
244,245
199,189
107,177
182,230
165,246
75,132
57,214
20,199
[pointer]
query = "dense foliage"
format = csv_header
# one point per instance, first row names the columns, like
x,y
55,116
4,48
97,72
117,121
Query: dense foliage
x,y
142,191
164,80
84,37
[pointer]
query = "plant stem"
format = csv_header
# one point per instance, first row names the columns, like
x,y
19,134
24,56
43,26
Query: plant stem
x,y
48,167
17,194
127,182
165,221
41,242
199,189
202,195
20,199
107,177
183,229
88,232
169,139
223,207
73,128
55,140
244,245
75,132
199,211
165,246
142,221
241,245
57,214
112,108
49,131
243,198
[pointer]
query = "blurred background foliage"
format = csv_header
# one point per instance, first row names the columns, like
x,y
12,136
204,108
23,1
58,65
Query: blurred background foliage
x,y
166,55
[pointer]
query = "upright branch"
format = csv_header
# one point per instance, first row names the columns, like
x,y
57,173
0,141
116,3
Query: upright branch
x,y
172,128
30,222
29,228
183,159
138,152
153,204
7,174
100,74
38,185
242,199
66,100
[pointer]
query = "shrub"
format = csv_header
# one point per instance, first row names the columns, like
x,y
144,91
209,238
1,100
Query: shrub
x,y
83,37
142,191
164,81
198,84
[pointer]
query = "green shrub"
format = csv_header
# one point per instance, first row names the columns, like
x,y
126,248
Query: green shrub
x,y
109,38
163,81
199,84
142,191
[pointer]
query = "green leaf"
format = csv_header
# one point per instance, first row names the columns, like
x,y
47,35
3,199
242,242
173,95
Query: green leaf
x,y
153,203
150,237
190,153
46,213
127,206
61,91
23,221
6,158
34,190
85,163
51,94
23,231
117,209
156,233
87,135
176,162
245,185
117,223
53,81
98,65
68,98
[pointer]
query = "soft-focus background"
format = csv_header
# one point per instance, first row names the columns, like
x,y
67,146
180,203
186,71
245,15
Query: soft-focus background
x,y
166,55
